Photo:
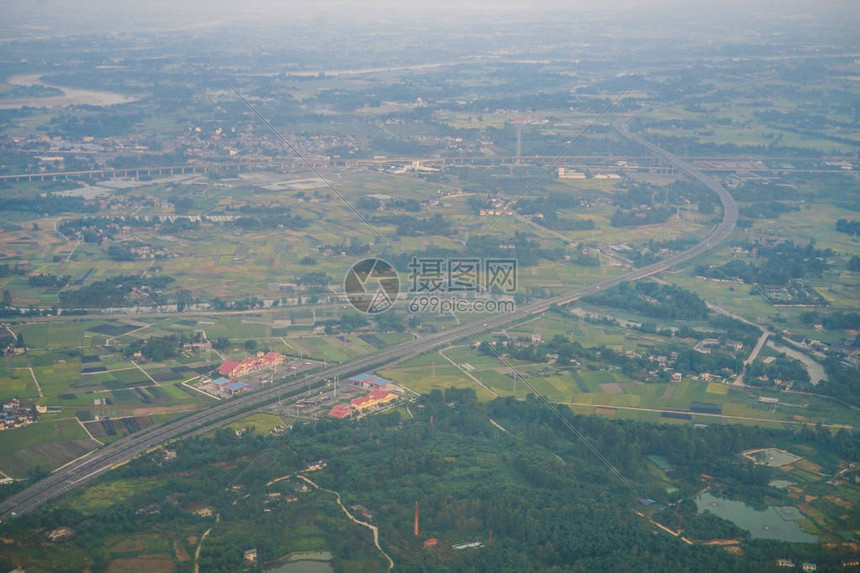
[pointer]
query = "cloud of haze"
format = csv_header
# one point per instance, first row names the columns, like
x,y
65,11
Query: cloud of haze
x,y
81,16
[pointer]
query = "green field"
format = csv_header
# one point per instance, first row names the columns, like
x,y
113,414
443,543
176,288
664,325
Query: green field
x,y
46,444
106,494
17,383
261,423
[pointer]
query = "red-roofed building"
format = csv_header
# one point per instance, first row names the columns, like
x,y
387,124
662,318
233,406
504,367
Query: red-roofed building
x,y
340,411
378,395
227,367
273,358
251,364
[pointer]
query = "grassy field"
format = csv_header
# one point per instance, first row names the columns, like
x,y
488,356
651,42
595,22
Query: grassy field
x,y
419,379
105,494
47,444
604,389
261,423
17,383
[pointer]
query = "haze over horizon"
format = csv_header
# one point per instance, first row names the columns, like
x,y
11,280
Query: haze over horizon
x,y
104,16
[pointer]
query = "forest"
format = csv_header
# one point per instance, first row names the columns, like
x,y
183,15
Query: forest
x,y
652,299
550,503
159,348
846,226
115,291
780,263
565,351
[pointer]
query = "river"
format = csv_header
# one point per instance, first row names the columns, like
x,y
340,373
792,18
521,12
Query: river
x,y
816,370
71,96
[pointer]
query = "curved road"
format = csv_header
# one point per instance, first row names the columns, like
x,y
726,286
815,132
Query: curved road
x,y
124,450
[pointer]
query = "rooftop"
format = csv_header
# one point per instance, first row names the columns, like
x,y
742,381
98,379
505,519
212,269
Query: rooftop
x,y
227,367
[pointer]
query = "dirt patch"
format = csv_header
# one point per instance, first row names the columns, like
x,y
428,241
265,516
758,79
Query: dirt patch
x,y
604,410
182,554
722,542
97,429
164,410
156,563
135,544
667,393
611,388
808,466
839,501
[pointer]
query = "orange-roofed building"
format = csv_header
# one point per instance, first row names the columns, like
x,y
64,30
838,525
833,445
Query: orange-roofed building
x,y
375,398
251,364
379,395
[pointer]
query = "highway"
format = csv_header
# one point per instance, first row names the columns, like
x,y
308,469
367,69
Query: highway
x,y
298,165
127,448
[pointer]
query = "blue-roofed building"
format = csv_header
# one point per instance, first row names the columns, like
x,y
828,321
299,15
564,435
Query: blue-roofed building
x,y
369,381
221,382
235,387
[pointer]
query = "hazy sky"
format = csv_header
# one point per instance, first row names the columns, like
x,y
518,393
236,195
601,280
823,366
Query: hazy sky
x,y
127,14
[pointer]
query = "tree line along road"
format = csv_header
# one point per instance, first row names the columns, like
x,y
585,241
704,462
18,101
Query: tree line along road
x,y
122,451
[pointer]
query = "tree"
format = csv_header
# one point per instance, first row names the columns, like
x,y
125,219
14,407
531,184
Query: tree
x,y
251,345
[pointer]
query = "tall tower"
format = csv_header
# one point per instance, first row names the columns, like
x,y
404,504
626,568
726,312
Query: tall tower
x,y
416,518
518,124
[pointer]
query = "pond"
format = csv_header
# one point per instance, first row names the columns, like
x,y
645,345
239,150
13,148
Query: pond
x,y
775,522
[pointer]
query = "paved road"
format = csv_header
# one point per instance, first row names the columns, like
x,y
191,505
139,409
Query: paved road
x,y
720,416
123,450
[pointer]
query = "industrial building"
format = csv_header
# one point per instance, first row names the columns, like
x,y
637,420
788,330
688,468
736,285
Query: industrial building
x,y
374,399
234,388
251,364
340,411
361,404
369,381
